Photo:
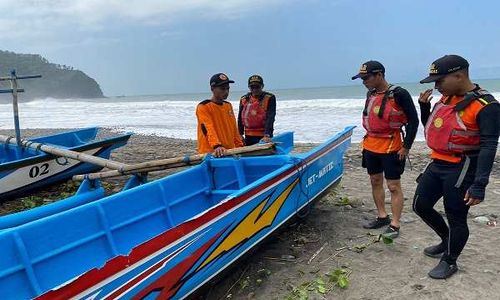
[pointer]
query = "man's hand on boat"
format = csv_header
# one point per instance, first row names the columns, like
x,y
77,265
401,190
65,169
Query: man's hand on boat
x,y
219,151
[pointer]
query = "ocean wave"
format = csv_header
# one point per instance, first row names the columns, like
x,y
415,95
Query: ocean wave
x,y
312,120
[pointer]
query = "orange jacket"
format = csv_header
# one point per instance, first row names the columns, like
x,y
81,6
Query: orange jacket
x,y
216,126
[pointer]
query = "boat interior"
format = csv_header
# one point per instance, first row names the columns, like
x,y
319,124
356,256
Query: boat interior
x,y
114,225
9,152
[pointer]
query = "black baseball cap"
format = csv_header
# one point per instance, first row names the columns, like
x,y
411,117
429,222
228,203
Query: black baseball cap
x,y
255,79
445,65
220,79
369,67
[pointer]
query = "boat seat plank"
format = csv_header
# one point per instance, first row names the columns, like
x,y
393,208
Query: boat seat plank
x,y
223,192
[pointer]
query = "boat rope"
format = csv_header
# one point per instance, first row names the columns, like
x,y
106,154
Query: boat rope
x,y
65,161
142,177
301,167
27,144
7,141
409,161
186,160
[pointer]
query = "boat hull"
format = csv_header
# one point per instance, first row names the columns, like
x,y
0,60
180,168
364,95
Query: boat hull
x,y
26,175
172,263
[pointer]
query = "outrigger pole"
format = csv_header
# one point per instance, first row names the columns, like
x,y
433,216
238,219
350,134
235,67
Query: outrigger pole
x,y
56,151
175,162
14,90
39,146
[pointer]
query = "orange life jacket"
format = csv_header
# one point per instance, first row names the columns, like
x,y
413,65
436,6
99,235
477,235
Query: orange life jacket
x,y
382,117
445,131
253,114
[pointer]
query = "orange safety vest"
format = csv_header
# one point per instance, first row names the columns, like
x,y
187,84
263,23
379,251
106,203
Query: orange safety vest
x,y
446,132
253,114
382,117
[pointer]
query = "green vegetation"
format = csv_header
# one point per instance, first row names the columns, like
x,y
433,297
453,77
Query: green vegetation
x,y
46,196
58,81
321,285
52,194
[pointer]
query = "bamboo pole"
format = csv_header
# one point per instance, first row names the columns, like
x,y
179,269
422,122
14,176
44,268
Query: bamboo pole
x,y
98,161
161,167
162,164
13,86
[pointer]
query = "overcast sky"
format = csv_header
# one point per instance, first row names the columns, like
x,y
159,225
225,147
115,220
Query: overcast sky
x,y
135,47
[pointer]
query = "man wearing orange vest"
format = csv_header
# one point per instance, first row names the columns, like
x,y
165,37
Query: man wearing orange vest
x,y
462,130
257,112
217,130
387,109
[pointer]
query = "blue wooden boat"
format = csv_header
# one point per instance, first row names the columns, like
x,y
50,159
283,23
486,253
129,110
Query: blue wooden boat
x,y
24,170
167,238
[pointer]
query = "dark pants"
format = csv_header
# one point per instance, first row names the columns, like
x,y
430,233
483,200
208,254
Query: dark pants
x,y
450,181
251,140
388,163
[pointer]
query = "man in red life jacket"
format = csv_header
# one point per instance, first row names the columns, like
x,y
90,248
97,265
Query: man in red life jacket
x,y
462,132
256,113
387,109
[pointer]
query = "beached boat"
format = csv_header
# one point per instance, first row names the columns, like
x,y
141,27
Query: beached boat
x,y
167,238
23,170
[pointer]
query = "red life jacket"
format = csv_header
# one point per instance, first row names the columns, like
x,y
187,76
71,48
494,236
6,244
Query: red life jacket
x,y
253,114
446,133
382,117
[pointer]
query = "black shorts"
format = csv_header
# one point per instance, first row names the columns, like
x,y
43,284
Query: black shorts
x,y
389,164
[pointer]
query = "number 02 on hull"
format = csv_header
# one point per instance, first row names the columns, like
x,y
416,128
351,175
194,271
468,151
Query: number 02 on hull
x,y
23,171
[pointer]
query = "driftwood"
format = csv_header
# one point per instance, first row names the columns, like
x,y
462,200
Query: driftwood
x,y
106,163
317,253
162,164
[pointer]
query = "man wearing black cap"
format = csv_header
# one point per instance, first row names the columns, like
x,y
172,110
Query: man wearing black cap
x,y
388,109
257,112
462,130
217,130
